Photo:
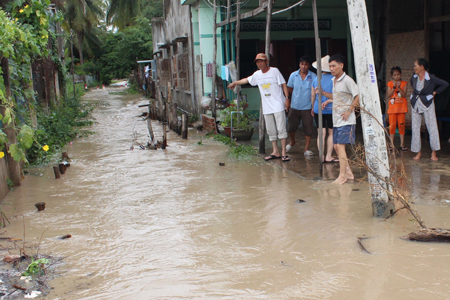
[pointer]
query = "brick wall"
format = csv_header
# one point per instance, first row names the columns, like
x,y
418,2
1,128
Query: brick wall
x,y
402,49
208,124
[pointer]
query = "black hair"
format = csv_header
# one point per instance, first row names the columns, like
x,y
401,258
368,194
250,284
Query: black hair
x,y
305,58
423,62
337,58
396,68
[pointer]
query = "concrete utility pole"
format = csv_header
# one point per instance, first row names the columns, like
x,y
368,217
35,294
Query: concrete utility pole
x,y
374,138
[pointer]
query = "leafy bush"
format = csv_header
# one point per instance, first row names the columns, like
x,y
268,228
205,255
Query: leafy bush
x,y
245,123
59,127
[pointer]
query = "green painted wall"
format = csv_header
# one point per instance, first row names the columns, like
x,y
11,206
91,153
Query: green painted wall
x,y
206,47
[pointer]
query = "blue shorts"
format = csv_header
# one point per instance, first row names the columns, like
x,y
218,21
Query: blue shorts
x,y
344,134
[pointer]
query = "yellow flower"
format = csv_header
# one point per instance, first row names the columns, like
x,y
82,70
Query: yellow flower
x,y
17,19
21,11
26,6
45,148
2,154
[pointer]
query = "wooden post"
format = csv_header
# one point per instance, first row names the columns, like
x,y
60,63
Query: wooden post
x,y
262,124
175,117
169,105
164,121
374,137
238,58
184,126
213,92
57,173
62,168
13,166
319,78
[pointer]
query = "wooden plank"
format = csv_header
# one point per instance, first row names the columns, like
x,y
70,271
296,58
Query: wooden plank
x,y
262,123
374,136
213,92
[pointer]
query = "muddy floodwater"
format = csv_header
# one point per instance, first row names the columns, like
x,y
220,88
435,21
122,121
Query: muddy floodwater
x,y
173,224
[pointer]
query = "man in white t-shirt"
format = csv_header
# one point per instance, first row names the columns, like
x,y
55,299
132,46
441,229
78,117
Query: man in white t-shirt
x,y
274,93
345,101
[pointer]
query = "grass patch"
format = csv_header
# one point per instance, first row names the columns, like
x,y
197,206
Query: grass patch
x,y
237,150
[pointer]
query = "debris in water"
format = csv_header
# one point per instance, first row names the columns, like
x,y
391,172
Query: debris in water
x,y
67,236
300,201
355,190
361,245
40,206
33,294
221,164
11,258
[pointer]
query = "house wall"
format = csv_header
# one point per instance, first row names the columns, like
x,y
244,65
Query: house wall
x,y
333,10
175,24
403,49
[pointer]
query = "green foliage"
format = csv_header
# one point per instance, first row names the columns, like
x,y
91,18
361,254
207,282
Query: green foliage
x,y
9,183
59,127
237,151
193,118
36,267
116,58
24,35
244,119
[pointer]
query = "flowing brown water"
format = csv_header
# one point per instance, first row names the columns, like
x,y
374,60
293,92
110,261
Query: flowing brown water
x,y
174,225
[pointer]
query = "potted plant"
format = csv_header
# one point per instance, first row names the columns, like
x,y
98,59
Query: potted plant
x,y
242,128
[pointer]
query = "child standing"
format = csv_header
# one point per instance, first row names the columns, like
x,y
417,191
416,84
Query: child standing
x,y
398,106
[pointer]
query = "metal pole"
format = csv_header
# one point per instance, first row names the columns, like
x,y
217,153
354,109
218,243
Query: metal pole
x,y
374,137
231,130
319,78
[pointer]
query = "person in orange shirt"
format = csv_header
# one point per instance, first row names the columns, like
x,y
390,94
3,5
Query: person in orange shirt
x,y
398,106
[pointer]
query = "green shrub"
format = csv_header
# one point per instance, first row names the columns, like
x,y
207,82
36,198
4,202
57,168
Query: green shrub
x,y
59,127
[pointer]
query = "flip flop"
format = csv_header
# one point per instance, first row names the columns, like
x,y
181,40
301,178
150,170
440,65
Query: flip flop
x,y
334,160
404,148
270,157
285,158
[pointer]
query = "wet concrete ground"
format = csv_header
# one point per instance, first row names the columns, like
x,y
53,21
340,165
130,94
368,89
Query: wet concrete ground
x,y
430,179
174,224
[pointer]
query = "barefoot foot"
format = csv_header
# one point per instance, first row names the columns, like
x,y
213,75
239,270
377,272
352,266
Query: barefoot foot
x,y
418,156
340,180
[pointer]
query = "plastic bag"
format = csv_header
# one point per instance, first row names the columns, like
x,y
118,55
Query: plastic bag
x,y
233,74
206,102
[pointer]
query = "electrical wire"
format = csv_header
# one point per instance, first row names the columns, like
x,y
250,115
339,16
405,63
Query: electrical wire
x,y
211,5
301,2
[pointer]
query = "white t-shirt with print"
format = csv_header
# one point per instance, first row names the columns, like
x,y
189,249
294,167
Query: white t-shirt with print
x,y
270,87
344,91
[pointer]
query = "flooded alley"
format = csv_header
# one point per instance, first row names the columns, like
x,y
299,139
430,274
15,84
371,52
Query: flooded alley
x,y
173,224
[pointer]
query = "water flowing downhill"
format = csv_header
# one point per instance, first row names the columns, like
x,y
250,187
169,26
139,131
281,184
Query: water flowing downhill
x,y
173,224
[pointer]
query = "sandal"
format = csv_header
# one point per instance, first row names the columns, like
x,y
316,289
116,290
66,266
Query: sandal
x,y
285,158
404,148
270,157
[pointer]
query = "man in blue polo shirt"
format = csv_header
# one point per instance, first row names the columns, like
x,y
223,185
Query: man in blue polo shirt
x,y
299,85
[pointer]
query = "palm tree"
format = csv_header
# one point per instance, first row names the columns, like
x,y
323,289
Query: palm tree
x,y
122,13
81,16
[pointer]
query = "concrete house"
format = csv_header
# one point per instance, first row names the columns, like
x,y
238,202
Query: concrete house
x,y
401,30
